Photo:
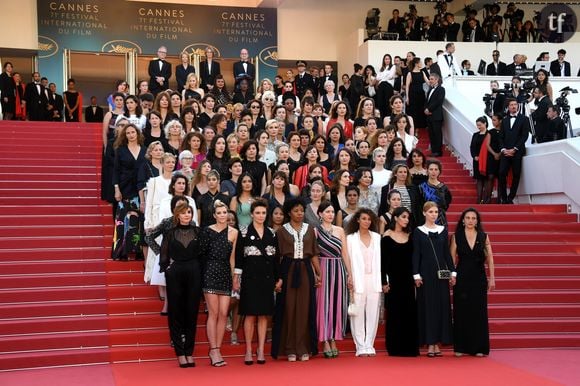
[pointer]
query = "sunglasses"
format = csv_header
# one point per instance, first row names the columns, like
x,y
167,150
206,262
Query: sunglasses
x,y
254,107
269,99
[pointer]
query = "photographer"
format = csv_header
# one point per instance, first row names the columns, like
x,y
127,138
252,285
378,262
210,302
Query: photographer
x,y
495,101
556,126
517,92
540,114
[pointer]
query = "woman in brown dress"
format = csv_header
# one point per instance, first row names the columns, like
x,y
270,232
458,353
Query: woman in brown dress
x,y
294,333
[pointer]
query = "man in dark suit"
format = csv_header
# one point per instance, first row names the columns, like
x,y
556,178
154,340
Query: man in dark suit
x,y
55,104
540,115
514,132
556,126
474,33
328,75
434,113
517,66
452,29
244,69
496,67
36,97
560,67
160,72
94,112
208,69
356,87
303,80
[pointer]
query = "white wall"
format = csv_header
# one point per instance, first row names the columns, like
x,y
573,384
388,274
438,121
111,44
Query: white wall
x,y
19,25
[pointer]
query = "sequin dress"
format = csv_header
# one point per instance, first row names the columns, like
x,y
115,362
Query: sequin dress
x,y
215,251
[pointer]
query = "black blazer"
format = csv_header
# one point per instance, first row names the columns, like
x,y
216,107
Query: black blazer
x,y
452,32
501,69
36,103
516,136
479,35
96,117
154,71
207,76
555,69
57,104
435,103
181,75
511,68
239,70
301,84
540,118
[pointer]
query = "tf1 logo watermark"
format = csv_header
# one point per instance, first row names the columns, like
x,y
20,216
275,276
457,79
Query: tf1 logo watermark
x,y
557,22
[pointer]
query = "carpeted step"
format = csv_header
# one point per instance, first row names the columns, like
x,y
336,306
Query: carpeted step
x,y
522,340
70,357
57,230
35,254
502,270
41,242
72,340
71,219
518,312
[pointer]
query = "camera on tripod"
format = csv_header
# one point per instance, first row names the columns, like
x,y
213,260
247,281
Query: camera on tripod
x,y
562,100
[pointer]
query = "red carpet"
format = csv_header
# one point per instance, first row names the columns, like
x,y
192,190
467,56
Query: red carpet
x,y
62,302
515,367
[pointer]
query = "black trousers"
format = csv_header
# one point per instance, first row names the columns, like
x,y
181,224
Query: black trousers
x,y
435,134
183,280
384,93
505,164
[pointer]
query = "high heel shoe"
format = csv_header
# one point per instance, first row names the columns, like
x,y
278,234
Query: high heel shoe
x,y
258,360
183,365
216,363
250,361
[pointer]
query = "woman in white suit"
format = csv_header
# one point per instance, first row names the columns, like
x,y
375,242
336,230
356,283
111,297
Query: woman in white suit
x,y
364,249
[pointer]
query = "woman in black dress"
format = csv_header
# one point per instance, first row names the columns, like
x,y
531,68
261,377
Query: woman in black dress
x,y
398,286
415,92
129,155
72,103
477,141
493,154
471,251
180,260
256,277
434,273
217,249
256,168
7,92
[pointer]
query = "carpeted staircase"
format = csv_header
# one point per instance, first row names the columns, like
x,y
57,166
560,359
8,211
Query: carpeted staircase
x,y
64,302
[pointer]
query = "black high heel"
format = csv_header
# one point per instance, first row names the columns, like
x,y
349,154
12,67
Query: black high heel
x,y
182,365
260,361
217,363
248,362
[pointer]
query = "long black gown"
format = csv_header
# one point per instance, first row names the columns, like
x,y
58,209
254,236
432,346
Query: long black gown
x,y
417,99
433,299
400,304
471,329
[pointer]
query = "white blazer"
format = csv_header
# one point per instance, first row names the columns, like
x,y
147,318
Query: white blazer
x,y
354,245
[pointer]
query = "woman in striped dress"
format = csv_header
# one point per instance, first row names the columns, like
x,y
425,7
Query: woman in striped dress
x,y
332,295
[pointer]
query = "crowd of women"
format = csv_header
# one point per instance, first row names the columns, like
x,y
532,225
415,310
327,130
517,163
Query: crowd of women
x,y
270,212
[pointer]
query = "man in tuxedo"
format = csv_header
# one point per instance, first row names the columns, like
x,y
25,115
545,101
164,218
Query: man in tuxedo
x,y
560,67
244,69
55,104
514,132
448,65
303,80
517,66
160,72
94,112
540,115
556,126
36,97
434,113
208,69
328,75
474,33
496,67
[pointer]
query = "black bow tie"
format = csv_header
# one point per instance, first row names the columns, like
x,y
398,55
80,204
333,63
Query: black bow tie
x,y
513,116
